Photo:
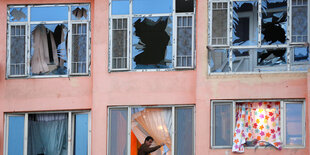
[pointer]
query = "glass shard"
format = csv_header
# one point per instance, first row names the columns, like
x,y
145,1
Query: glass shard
x,y
242,60
80,12
271,57
18,14
219,60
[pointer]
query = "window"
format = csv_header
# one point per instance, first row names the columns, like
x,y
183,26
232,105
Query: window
x,y
257,123
47,133
48,40
171,125
151,35
258,36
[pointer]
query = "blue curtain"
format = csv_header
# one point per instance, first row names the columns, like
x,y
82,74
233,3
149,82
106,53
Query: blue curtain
x,y
48,134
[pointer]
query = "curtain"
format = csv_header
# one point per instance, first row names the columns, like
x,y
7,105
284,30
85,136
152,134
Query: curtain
x,y
155,122
48,134
258,123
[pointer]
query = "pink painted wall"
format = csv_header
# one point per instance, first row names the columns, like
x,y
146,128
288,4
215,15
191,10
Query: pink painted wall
x,y
105,89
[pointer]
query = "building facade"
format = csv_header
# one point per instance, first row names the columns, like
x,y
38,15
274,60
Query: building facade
x,y
203,77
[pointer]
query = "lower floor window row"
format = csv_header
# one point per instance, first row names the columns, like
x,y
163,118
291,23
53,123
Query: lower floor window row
x,y
258,123
61,133
172,126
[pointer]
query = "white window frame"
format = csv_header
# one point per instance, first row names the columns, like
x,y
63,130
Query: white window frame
x,y
173,38
71,126
283,103
28,23
173,118
257,69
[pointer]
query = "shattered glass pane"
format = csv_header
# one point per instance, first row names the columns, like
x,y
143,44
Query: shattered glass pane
x,y
299,21
80,12
271,57
48,50
219,25
274,22
18,14
184,42
219,60
245,23
151,42
49,13
301,54
184,5
120,7
151,6
242,60
119,43
17,60
79,48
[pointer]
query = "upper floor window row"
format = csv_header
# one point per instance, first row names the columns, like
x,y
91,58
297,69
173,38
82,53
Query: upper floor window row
x,y
48,40
151,35
258,35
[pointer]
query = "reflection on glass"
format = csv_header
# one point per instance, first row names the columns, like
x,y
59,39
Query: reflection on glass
x,y
155,122
219,25
17,61
49,49
245,23
271,57
117,142
184,41
120,7
241,61
15,135
301,54
274,22
184,131
222,125
219,60
151,6
18,14
49,13
151,41
294,125
80,12
299,20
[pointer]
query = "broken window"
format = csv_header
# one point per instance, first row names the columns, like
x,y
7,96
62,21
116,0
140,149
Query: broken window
x,y
299,20
241,60
120,7
219,60
18,14
260,33
300,59
245,23
274,22
119,43
184,41
184,5
47,39
151,43
153,36
219,25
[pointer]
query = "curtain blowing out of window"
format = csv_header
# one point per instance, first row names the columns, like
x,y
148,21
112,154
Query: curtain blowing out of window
x,y
257,123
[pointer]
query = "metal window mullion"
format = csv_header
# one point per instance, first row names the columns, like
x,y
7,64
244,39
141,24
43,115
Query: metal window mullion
x,y
289,22
233,118
72,122
259,22
193,39
69,50
304,123
110,64
283,122
212,124
128,44
229,23
87,68
26,134
173,130
69,133
6,134
308,11
210,23
9,51
129,131
129,36
28,38
230,60
289,53
174,36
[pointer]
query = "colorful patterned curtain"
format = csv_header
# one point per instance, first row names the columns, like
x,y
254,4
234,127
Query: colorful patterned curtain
x,y
257,123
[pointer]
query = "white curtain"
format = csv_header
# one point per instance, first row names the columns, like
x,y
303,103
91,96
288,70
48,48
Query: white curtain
x,y
155,122
48,134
